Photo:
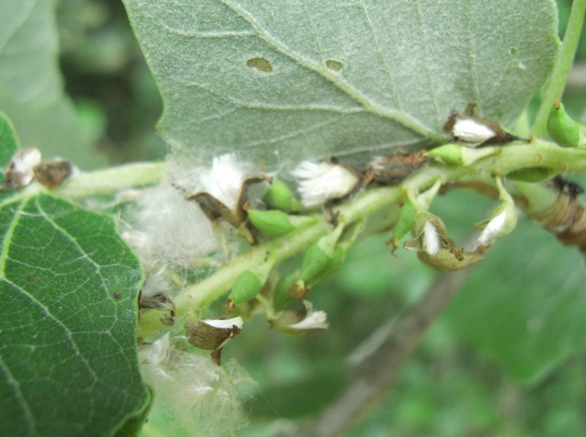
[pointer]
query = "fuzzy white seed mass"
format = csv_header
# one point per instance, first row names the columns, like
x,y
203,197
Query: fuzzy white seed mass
x,y
23,162
224,324
224,179
431,239
471,131
319,183
315,320
172,230
193,395
492,229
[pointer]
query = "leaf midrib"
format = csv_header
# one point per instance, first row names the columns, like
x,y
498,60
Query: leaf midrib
x,y
397,116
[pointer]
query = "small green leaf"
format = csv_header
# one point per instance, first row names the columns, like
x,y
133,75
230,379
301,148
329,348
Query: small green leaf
x,y
8,140
68,287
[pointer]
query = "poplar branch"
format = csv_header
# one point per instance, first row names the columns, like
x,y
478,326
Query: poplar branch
x,y
516,156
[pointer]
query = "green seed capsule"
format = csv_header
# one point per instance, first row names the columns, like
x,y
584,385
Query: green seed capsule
x,y
246,287
272,223
405,220
281,296
281,197
331,266
536,174
451,154
562,128
314,261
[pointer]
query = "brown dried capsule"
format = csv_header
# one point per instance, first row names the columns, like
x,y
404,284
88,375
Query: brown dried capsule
x,y
475,131
53,174
566,216
212,334
20,169
394,169
564,185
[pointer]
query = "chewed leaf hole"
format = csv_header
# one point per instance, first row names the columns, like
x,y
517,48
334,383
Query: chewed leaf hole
x,y
261,64
334,65
513,51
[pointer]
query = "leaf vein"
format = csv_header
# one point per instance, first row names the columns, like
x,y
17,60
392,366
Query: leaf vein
x,y
334,78
59,323
473,68
8,237
391,82
427,69
22,401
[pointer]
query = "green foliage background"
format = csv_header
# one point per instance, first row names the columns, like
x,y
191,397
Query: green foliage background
x,y
449,387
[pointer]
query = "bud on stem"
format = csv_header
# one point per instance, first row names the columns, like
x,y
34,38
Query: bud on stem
x,y
249,283
280,196
563,129
276,223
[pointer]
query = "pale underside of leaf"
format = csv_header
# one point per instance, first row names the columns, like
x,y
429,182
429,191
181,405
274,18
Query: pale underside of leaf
x,y
308,79
31,89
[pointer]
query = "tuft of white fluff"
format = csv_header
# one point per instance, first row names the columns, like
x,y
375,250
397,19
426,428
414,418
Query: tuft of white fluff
x,y
224,323
314,320
22,164
431,239
193,395
492,229
471,131
224,179
164,228
321,182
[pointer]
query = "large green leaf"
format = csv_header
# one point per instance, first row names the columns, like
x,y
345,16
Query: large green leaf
x,y
68,286
525,304
314,78
9,143
31,90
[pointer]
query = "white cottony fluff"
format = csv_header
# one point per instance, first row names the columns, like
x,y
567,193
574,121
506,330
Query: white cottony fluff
x,y
224,323
175,231
431,239
321,182
22,164
314,320
194,396
224,179
469,130
492,229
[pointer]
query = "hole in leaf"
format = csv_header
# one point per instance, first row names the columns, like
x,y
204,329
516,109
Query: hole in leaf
x,y
261,64
334,65
513,51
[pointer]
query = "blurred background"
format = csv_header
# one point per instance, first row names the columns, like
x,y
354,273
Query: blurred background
x,y
449,387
